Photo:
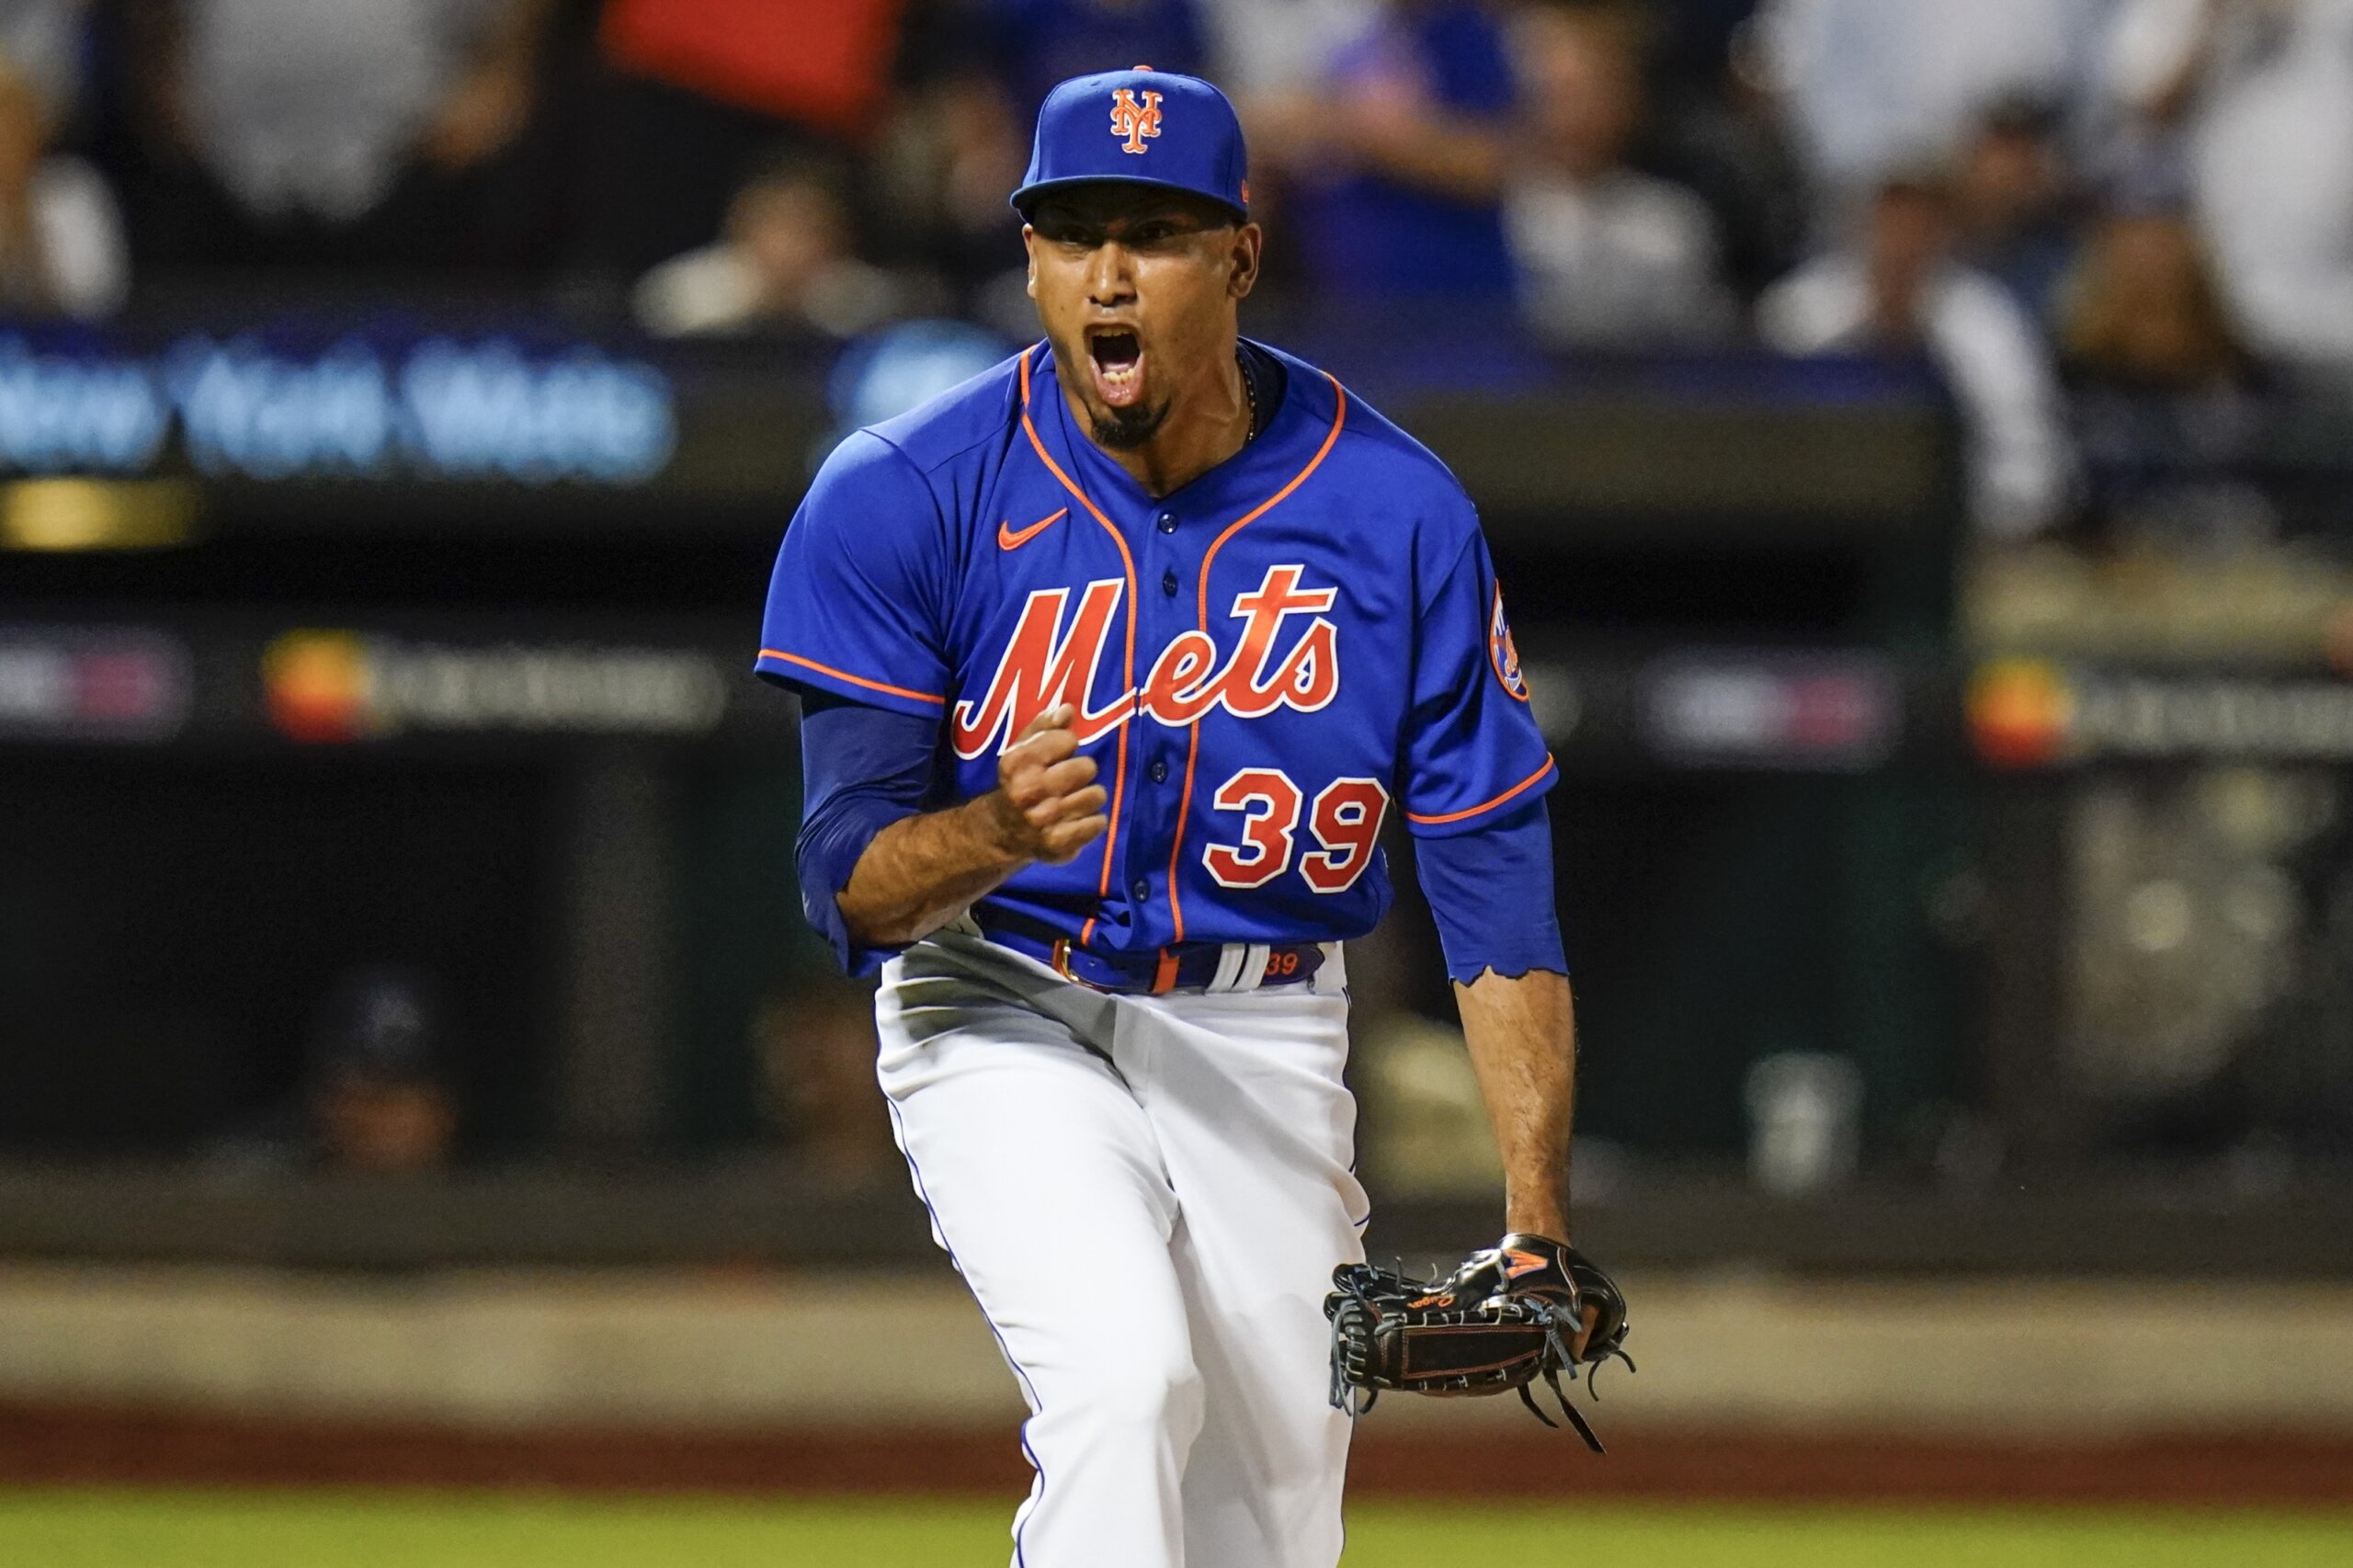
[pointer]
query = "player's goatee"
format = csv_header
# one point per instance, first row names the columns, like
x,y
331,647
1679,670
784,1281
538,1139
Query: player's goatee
x,y
1128,429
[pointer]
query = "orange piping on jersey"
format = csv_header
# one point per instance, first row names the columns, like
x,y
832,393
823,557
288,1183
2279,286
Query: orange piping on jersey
x,y
1193,745
1524,785
853,680
1119,777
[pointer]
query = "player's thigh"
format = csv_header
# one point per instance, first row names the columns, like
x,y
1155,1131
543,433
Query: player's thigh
x,y
1042,1177
1255,1129
1257,1132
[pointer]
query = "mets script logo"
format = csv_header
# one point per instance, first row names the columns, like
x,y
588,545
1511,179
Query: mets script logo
x,y
1502,653
1047,664
1138,124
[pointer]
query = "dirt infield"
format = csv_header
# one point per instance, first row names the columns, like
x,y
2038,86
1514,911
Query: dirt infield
x,y
54,1445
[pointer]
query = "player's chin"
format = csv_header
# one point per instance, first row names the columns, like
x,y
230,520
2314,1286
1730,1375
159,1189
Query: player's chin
x,y
1125,428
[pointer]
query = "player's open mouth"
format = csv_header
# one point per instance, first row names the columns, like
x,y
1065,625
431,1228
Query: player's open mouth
x,y
1118,356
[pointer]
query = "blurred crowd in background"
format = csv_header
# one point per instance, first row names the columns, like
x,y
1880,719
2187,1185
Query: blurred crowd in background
x,y
2120,230
2114,224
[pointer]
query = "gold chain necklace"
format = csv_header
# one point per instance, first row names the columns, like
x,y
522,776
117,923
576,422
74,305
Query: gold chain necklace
x,y
1249,393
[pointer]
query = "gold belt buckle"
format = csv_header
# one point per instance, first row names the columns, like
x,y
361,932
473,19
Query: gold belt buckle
x,y
1058,960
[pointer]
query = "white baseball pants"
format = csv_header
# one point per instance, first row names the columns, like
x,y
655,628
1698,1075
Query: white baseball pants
x,y
1147,1195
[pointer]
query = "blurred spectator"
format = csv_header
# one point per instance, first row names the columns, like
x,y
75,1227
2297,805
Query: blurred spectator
x,y
2166,410
379,1102
1394,158
1719,129
939,178
44,39
1272,46
1695,37
374,1098
61,237
699,91
1040,42
784,264
321,132
1608,257
1876,85
2011,202
2260,94
1902,292
2142,310
817,1052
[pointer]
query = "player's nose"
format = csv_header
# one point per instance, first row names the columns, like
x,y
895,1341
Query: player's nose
x,y
1110,275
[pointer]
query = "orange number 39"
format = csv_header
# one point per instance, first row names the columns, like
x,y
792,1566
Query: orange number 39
x,y
1346,820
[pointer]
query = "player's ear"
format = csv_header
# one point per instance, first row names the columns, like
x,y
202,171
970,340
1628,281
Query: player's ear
x,y
1249,242
1028,244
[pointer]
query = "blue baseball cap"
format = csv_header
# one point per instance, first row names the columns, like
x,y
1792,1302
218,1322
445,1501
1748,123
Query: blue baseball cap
x,y
1139,127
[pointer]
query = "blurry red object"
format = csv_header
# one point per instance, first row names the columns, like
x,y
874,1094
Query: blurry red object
x,y
824,63
2021,712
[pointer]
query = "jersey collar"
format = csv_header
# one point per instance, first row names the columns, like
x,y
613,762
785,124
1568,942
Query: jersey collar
x,y
1285,452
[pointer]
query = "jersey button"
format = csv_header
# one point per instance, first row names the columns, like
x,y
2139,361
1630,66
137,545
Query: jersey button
x,y
1167,521
1160,772
1142,889
1169,582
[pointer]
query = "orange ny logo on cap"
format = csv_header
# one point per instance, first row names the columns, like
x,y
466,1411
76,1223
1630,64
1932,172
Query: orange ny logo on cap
x,y
1136,122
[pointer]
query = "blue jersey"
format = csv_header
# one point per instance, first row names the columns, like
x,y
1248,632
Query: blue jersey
x,y
1267,663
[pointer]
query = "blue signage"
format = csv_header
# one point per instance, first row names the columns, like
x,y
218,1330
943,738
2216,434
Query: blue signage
x,y
440,408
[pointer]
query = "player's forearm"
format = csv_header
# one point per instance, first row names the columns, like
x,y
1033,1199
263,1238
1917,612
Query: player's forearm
x,y
920,872
1522,1041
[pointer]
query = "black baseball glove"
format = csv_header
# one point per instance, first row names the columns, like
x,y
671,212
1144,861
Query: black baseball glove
x,y
1507,1316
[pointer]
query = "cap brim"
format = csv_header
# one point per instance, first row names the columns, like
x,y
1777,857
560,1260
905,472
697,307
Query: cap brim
x,y
1029,196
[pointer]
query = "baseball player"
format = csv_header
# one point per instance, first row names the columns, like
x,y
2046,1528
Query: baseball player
x,y
1115,662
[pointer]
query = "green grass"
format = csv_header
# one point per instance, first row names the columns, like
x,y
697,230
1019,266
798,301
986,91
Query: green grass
x,y
111,1528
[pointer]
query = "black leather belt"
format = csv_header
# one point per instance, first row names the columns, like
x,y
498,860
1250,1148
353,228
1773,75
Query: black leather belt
x,y
1190,966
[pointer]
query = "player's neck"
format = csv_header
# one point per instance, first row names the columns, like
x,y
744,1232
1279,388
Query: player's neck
x,y
1209,421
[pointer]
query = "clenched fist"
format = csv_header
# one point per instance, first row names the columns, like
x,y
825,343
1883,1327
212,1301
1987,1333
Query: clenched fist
x,y
1047,805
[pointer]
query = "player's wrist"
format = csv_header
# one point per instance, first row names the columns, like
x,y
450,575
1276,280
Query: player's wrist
x,y
1545,1215
1005,836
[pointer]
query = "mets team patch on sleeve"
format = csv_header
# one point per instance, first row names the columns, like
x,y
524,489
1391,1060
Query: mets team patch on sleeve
x,y
1502,653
